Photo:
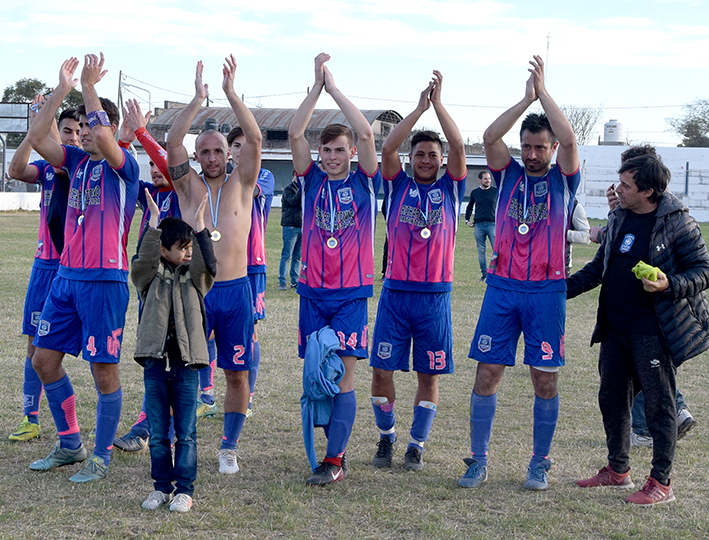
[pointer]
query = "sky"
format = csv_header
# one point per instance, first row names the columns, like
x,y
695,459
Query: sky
x,y
638,60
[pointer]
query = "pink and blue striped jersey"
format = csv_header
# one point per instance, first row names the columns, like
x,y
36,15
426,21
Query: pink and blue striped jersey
x,y
421,262
535,261
339,218
46,255
167,202
256,248
95,246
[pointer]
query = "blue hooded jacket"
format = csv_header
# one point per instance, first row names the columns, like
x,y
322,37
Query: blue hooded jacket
x,y
322,371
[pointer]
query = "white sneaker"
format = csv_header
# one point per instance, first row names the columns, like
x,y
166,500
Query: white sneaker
x,y
181,503
155,500
227,461
640,440
685,422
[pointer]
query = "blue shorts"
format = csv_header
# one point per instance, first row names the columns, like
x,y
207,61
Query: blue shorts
x,y
425,317
230,314
505,314
258,293
98,308
348,318
37,292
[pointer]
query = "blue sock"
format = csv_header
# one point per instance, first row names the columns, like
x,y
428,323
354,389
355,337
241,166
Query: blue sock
x,y
424,413
108,413
255,361
344,409
141,428
482,413
206,375
384,417
546,414
31,392
233,424
60,396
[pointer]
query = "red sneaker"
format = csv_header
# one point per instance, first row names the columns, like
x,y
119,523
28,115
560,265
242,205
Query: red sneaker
x,y
608,477
652,493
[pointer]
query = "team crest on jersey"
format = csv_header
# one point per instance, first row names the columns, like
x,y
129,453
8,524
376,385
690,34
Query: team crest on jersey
x,y
96,173
344,195
384,350
165,205
34,318
435,196
485,343
627,243
43,328
540,189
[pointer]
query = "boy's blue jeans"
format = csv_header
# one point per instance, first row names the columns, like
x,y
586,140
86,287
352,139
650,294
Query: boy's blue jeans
x,y
177,390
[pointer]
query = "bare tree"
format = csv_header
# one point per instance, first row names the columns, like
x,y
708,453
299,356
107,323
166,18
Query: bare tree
x,y
693,125
583,120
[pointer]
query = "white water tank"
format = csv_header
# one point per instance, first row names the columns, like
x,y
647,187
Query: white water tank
x,y
613,133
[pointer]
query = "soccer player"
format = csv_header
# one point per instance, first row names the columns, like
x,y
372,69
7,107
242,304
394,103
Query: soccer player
x,y
228,304
422,219
90,291
161,191
263,195
46,259
526,291
337,272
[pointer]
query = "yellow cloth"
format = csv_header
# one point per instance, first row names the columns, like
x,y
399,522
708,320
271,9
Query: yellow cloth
x,y
644,270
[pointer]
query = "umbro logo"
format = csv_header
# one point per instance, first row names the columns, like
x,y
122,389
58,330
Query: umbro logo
x,y
654,363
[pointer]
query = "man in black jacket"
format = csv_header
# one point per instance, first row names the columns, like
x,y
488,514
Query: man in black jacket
x,y
292,223
483,200
645,328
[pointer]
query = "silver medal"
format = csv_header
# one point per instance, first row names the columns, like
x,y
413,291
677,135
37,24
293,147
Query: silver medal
x,y
216,235
425,233
523,229
80,220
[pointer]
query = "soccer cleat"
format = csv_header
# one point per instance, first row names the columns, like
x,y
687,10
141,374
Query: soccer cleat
x,y
59,457
537,478
130,442
345,466
326,473
385,453
413,460
608,477
640,440
25,431
475,475
181,503
652,493
155,500
205,410
95,469
227,461
685,422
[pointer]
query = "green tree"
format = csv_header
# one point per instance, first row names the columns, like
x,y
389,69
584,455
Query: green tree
x,y
24,91
693,124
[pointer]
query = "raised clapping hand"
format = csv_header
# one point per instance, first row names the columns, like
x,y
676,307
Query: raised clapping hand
x,y
201,89
329,81
199,214
537,71
229,71
66,74
134,116
320,68
154,210
37,103
425,99
93,70
436,91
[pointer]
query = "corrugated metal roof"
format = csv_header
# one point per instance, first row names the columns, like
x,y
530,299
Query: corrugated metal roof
x,y
274,119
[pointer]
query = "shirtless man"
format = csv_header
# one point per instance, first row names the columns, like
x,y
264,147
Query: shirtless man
x,y
229,304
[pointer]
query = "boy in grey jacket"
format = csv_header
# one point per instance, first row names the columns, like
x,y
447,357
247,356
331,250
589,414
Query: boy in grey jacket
x,y
173,270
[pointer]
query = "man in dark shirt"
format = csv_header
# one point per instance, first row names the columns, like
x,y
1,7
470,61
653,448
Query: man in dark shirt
x,y
483,199
292,223
646,328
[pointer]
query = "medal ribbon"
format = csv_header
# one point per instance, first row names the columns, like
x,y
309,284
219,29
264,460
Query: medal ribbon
x,y
214,211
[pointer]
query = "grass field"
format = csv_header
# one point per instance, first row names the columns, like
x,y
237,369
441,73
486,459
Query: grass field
x,y
268,498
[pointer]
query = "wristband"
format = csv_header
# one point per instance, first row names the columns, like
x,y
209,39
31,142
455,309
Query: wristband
x,y
98,118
